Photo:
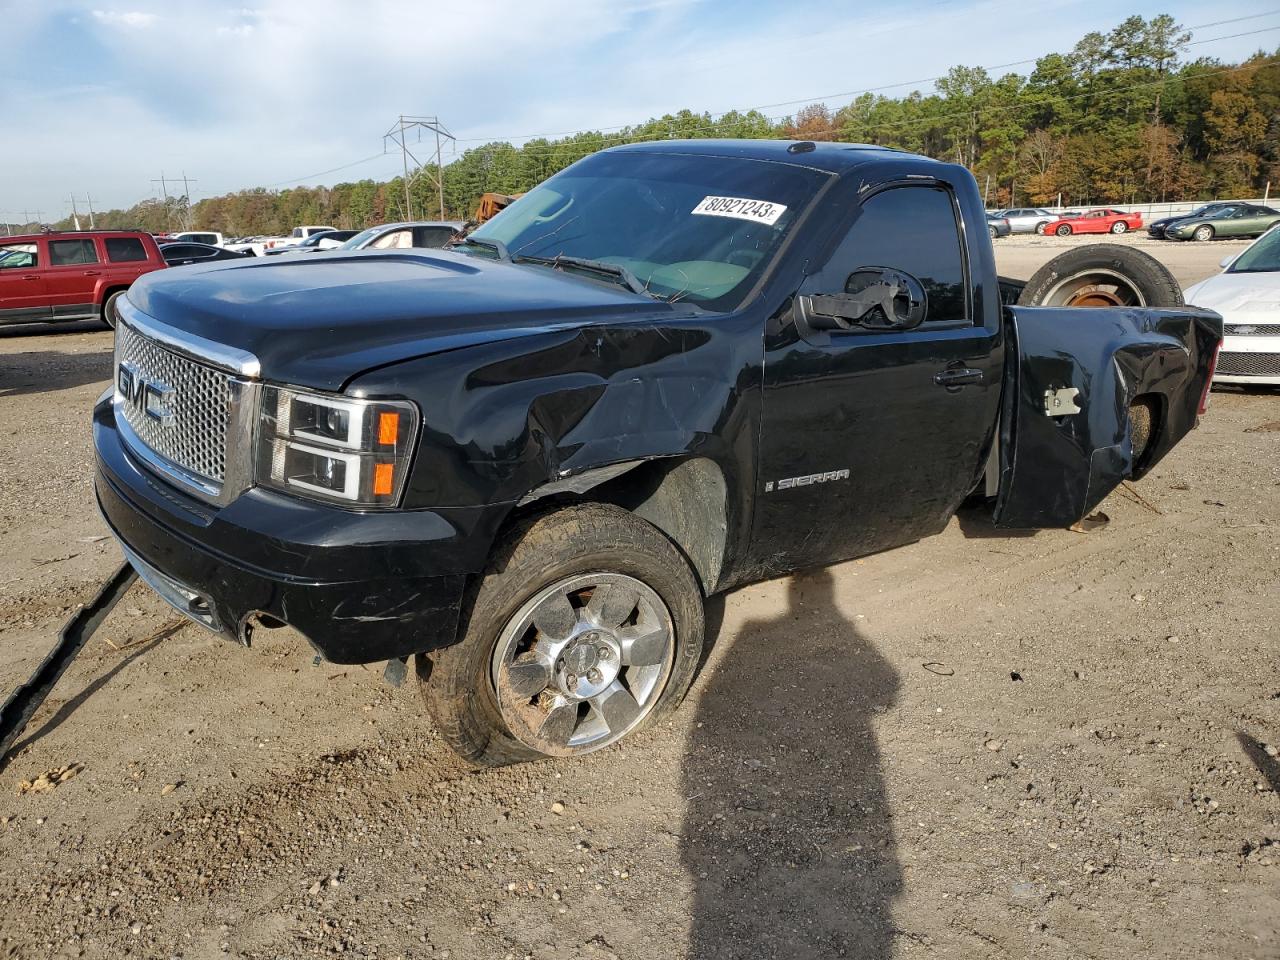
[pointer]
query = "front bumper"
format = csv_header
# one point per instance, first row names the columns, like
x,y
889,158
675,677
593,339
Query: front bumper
x,y
1249,359
361,587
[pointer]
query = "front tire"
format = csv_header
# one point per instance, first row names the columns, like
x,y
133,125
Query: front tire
x,y
1064,230
1202,233
587,626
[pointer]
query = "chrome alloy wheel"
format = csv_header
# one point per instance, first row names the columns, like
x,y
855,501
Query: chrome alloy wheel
x,y
582,663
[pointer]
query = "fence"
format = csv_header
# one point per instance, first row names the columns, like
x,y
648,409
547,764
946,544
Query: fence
x,y
1157,211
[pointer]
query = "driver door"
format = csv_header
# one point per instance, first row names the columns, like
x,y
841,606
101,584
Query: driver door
x,y
873,435
23,294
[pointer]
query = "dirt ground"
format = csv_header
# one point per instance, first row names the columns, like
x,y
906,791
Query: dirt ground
x,y
1058,745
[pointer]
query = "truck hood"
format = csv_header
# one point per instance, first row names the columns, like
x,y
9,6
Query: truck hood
x,y
317,321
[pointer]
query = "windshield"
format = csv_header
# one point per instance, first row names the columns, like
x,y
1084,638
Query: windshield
x,y
1262,257
359,239
695,228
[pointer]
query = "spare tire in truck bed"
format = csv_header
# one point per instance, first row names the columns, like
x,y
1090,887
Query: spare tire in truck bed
x,y
1102,275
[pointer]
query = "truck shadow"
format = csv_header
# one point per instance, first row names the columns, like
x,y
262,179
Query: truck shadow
x,y
787,837
1267,765
975,523
12,330
43,371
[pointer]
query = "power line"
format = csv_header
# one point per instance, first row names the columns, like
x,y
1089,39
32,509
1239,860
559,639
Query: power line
x,y
552,149
807,100
397,135
889,86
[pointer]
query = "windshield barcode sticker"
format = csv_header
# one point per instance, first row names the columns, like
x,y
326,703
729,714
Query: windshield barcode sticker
x,y
758,211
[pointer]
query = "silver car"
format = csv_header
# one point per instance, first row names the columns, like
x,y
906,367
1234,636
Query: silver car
x,y
1027,219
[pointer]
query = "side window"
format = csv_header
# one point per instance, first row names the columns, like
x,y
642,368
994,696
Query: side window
x,y
432,237
911,229
19,256
64,253
396,239
125,249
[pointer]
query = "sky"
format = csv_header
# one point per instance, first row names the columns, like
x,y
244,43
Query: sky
x,y
101,98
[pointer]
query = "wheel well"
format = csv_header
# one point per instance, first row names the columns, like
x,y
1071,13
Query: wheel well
x,y
684,498
1146,414
107,295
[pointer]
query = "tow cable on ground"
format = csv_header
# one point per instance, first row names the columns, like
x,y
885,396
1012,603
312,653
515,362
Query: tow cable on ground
x,y
75,633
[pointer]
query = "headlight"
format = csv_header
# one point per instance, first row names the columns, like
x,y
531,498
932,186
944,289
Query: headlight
x,y
338,449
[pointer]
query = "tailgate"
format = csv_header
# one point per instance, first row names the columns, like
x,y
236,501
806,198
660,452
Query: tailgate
x,y
1071,376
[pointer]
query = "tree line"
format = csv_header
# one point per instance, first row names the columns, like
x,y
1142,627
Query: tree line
x,y
1126,116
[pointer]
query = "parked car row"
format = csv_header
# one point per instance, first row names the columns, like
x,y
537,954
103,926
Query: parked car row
x,y
1041,221
1225,219
1213,220
74,275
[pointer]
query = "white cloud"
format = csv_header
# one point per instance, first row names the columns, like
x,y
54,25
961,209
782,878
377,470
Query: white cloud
x,y
131,19
241,96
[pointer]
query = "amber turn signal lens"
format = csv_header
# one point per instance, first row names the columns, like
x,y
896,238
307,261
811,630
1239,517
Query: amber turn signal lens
x,y
383,479
388,427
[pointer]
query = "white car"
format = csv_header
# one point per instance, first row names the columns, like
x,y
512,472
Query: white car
x,y
210,237
1247,294
296,237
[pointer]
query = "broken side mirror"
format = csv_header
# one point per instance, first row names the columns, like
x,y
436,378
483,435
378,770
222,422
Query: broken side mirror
x,y
874,298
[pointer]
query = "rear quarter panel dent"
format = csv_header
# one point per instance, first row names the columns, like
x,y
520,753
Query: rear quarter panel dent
x,y
1056,469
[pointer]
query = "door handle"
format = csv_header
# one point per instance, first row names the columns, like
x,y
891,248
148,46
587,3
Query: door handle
x,y
30,276
957,377
93,273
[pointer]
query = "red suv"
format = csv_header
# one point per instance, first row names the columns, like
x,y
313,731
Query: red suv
x,y
71,276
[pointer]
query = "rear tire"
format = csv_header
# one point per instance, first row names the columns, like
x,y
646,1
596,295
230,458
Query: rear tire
x,y
518,635
1064,230
108,309
1041,226
1141,422
1102,275
1202,233
1119,227
994,233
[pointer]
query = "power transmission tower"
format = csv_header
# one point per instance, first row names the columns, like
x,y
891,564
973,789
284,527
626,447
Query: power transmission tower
x,y
75,214
164,190
89,200
397,135
186,200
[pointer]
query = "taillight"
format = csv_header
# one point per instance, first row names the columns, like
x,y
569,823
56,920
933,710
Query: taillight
x,y
1208,383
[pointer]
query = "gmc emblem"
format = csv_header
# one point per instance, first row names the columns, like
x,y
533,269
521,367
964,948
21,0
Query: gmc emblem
x,y
150,397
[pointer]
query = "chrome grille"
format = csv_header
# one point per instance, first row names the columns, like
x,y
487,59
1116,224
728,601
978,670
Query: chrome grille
x,y
196,438
1249,364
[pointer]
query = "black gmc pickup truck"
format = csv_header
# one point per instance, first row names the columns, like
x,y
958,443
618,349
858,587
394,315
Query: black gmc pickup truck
x,y
672,369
